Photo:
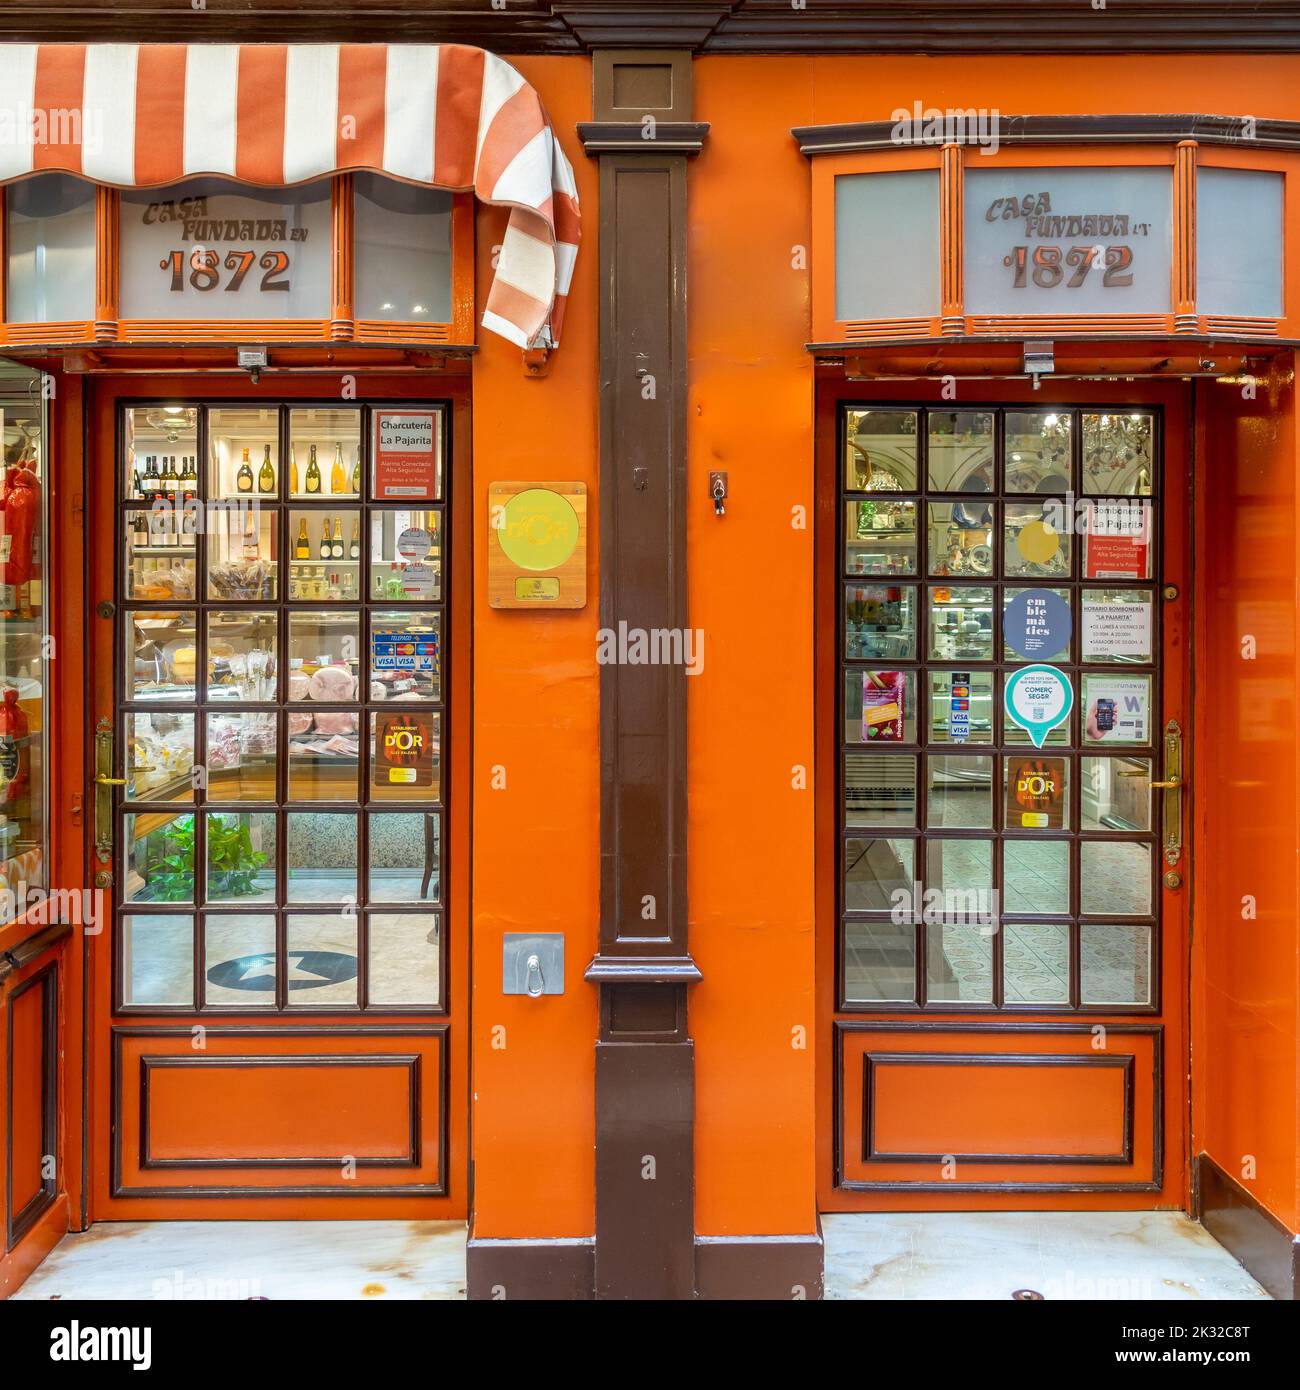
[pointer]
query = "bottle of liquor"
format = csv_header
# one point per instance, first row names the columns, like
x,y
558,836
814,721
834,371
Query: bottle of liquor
x,y
338,476
293,470
251,542
354,550
356,474
302,546
336,544
323,552
313,471
244,478
266,474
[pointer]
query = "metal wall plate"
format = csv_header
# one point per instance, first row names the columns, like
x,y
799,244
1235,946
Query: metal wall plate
x,y
532,963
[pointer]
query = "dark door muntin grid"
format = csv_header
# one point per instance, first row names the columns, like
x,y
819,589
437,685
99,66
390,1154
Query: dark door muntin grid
x,y
920,666
281,504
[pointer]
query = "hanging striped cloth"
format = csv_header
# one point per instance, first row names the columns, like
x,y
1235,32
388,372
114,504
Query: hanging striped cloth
x,y
443,115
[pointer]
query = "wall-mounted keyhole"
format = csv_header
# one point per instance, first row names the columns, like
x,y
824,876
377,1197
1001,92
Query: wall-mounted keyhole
x,y
534,980
718,491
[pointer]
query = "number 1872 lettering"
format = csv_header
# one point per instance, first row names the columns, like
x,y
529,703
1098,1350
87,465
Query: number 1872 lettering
x,y
205,269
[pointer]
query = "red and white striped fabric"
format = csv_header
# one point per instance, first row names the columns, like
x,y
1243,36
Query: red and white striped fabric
x,y
272,114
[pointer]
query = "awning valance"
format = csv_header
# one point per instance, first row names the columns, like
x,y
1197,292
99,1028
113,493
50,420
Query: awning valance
x,y
452,117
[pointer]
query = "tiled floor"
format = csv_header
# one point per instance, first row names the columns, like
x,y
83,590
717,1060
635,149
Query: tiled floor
x,y
1062,1255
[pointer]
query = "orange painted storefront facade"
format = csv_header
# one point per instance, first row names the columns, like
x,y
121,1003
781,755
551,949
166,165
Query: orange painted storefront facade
x,y
761,844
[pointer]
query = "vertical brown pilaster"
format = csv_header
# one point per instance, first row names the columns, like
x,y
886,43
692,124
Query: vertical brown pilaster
x,y
642,136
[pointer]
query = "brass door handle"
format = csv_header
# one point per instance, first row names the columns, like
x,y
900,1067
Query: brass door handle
x,y
1172,782
1172,786
110,781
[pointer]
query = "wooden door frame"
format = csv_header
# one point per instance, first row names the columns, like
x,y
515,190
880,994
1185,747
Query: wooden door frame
x,y
101,416
1174,398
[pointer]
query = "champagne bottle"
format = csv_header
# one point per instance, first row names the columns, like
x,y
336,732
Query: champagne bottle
x,y
323,552
302,546
266,474
313,471
252,543
356,474
338,477
244,478
354,550
336,544
293,469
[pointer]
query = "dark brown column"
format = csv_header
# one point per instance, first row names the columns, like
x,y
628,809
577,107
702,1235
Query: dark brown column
x,y
642,136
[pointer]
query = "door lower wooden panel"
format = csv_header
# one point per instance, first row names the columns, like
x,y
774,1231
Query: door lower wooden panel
x,y
936,1107
343,1110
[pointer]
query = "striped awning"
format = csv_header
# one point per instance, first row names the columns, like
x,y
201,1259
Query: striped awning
x,y
444,115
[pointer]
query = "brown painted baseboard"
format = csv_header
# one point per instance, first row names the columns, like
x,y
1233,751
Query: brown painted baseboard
x,y
1254,1236
726,1267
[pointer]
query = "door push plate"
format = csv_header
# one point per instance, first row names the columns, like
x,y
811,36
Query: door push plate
x,y
532,963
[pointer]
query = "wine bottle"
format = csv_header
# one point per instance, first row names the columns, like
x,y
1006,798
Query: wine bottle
x,y
293,469
244,478
323,552
313,471
171,492
338,477
302,546
336,544
252,544
356,474
266,474
354,550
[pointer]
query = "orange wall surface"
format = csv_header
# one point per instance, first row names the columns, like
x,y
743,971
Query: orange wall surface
x,y
1245,982
751,710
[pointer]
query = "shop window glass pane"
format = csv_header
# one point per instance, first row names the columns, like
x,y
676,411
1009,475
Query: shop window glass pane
x,y
324,656
879,962
405,554
1034,544
405,655
406,453
873,703
1118,453
1036,791
324,754
1009,653
880,622
51,249
961,538
880,451
1239,242
959,964
961,707
880,536
874,870
322,854
241,757
321,959
162,656
325,557
1115,793
1013,735
959,792
162,457
405,864
880,789
239,960
405,754
1114,963
242,650
1117,626
403,246
404,959
1116,709
1116,538
1037,445
159,857
1068,240
887,244
959,880
160,560
1036,963
241,856
324,457
157,960
961,624
243,452
159,763
1115,877
960,444
1036,876
210,248
243,552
